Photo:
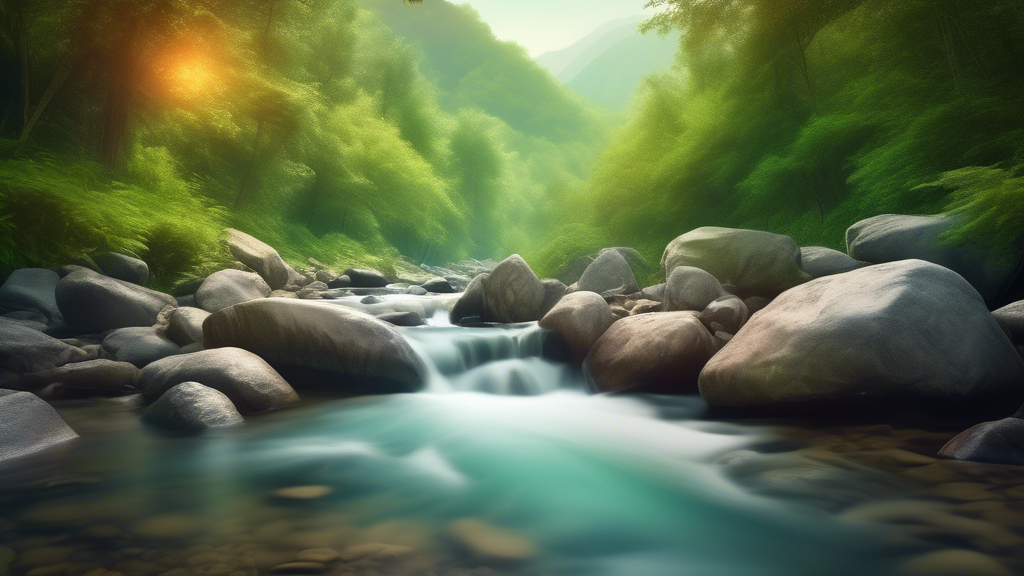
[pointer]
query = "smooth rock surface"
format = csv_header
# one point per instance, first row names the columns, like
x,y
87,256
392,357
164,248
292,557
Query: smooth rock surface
x,y
192,407
365,278
92,302
729,312
608,274
819,261
554,291
513,293
31,289
471,303
230,287
24,350
245,378
999,442
29,425
99,375
438,285
907,329
259,256
662,352
138,346
487,542
690,288
755,262
122,267
1011,318
186,325
580,319
319,342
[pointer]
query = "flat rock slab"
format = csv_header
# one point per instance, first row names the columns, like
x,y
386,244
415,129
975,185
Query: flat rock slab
x,y
92,302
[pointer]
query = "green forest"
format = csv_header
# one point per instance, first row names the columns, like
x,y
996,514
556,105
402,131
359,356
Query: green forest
x,y
358,132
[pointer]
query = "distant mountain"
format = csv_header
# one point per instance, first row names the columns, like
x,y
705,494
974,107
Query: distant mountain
x,y
607,65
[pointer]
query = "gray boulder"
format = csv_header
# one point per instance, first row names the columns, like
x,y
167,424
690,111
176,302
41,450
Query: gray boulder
x,y
471,303
999,442
28,425
93,302
819,261
122,267
105,376
726,314
554,291
894,237
416,290
191,407
438,285
321,343
186,325
755,262
656,293
662,352
250,383
138,346
260,257
690,288
364,278
572,273
230,287
513,293
580,319
1011,318
340,282
907,329
32,289
24,350
609,274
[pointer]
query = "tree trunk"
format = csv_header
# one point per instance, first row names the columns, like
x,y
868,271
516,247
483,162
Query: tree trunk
x,y
120,94
55,83
251,166
802,47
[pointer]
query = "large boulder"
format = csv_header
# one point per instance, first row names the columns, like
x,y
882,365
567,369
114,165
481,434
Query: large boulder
x,y
32,289
1011,318
513,293
756,263
471,303
573,272
907,329
24,350
690,288
138,346
185,325
101,375
726,314
365,278
191,407
250,383
609,274
554,291
122,267
93,302
320,343
580,319
260,257
999,442
230,287
819,261
662,352
28,424
438,285
893,237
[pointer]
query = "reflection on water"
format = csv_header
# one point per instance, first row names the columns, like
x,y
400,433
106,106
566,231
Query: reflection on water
x,y
595,484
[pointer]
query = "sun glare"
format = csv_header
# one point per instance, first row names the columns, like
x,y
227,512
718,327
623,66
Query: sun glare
x,y
187,75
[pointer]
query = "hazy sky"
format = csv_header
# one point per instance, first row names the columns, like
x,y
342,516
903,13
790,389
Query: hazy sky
x,y
543,25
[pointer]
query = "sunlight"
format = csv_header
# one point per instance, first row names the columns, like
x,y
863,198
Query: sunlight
x,y
186,74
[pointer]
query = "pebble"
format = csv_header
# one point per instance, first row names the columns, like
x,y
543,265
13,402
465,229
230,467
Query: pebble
x,y
489,542
323,555
299,568
955,563
303,492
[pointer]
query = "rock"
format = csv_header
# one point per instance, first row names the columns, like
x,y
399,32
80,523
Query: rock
x,y
819,261
29,319
690,288
342,281
438,285
299,568
954,563
92,302
187,301
645,307
490,543
138,346
371,299
98,375
28,425
656,293
230,287
302,492
319,342
609,273
416,290
313,291
894,237
580,319
661,352
1011,318
471,303
365,278
908,329
407,318
999,442
186,325
513,293
729,312
757,263
574,287
245,378
554,291
24,350
122,267
259,257
756,304
31,289
192,407
322,555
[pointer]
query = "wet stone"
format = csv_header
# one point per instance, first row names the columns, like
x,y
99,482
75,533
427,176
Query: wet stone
x,y
302,492
299,568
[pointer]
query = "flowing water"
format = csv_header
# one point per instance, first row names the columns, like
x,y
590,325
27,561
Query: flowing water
x,y
596,484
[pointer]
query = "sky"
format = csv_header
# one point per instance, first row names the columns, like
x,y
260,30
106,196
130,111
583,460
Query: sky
x,y
544,25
